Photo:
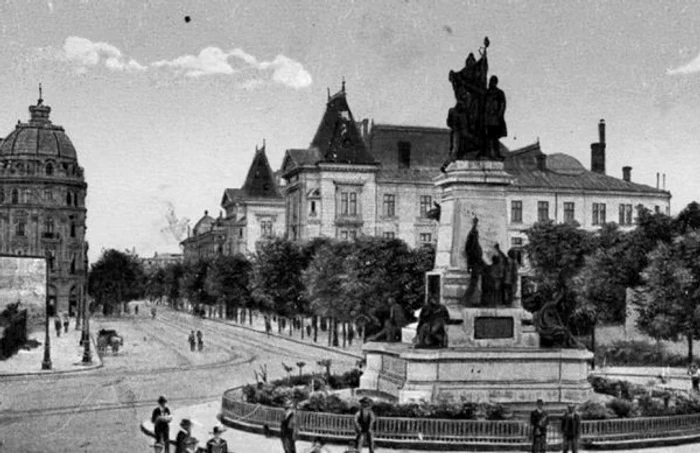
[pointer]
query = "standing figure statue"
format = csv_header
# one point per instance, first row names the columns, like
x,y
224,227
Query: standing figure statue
x,y
477,121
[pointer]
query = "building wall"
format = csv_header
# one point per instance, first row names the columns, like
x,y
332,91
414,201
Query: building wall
x,y
408,223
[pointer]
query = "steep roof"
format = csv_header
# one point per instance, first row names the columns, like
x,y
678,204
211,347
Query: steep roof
x,y
337,138
259,183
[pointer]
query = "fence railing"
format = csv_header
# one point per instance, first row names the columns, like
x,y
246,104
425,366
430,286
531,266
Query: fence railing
x,y
460,431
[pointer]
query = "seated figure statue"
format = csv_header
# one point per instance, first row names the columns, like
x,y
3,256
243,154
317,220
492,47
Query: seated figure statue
x,y
431,332
391,332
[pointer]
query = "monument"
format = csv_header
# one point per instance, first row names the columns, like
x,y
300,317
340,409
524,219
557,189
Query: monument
x,y
474,341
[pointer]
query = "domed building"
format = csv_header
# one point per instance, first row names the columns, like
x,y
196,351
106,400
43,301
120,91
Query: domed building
x,y
42,204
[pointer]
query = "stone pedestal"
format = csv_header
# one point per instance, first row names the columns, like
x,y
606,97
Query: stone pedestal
x,y
490,374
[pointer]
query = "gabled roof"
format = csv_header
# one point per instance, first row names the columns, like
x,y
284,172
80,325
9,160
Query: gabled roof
x,y
337,138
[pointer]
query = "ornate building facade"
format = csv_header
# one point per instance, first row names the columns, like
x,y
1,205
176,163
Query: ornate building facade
x,y
253,212
360,178
42,204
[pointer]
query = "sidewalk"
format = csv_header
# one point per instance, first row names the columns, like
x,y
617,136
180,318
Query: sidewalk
x,y
66,354
204,418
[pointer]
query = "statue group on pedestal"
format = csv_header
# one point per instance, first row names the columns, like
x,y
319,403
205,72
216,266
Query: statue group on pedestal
x,y
497,281
477,121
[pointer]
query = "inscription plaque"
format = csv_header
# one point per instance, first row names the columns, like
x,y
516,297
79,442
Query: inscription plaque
x,y
493,327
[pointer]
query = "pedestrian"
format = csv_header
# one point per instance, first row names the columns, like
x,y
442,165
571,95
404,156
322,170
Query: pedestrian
x,y
364,425
153,313
317,446
200,341
57,325
288,428
161,419
538,425
571,429
191,340
136,310
694,374
268,326
216,444
66,322
184,442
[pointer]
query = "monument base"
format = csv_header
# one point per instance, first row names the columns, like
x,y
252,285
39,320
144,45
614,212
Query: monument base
x,y
497,375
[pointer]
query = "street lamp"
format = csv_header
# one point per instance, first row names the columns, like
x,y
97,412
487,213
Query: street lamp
x,y
87,354
46,364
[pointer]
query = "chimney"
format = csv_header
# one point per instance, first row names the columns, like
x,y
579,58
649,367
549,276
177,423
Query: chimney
x,y
664,185
598,150
627,173
542,162
657,179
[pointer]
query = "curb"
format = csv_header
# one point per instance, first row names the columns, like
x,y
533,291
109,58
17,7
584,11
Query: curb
x,y
93,366
282,337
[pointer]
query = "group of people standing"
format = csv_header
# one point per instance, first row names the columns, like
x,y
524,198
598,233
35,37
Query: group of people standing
x,y
196,340
184,441
61,320
570,428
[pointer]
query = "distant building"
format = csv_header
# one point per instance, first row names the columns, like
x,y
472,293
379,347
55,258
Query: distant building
x,y
42,204
253,212
361,178
161,260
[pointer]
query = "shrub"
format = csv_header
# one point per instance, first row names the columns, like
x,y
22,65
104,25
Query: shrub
x,y
616,388
591,410
635,353
621,407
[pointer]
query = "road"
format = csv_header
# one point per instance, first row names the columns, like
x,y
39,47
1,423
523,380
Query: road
x,y
100,410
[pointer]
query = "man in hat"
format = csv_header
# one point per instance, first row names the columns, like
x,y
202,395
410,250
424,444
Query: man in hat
x,y
571,429
184,442
216,444
288,428
538,423
161,419
364,425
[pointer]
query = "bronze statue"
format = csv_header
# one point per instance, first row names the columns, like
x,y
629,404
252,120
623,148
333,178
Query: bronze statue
x,y
431,332
391,333
490,284
553,332
434,214
477,120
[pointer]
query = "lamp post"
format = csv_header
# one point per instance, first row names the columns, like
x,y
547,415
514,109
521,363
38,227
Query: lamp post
x,y
87,354
46,363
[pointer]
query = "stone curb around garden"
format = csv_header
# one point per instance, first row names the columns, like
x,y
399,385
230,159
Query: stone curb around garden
x,y
293,340
82,369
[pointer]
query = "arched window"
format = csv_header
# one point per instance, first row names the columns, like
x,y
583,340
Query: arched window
x,y
75,200
49,169
15,196
72,265
69,199
20,228
49,226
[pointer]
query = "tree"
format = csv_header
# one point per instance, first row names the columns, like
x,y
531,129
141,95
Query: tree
x,y
193,284
155,284
557,253
115,279
671,308
228,281
173,283
276,277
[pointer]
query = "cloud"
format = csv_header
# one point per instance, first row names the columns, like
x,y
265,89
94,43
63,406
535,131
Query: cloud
x,y
688,68
213,60
85,54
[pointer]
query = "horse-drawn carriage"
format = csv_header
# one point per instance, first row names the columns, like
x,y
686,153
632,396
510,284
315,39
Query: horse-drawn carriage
x,y
109,338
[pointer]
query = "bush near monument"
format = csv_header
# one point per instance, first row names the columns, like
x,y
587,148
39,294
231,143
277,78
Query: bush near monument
x,y
638,353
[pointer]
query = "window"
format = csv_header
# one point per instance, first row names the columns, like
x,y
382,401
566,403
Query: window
x,y
49,227
49,169
389,206
426,204
344,196
20,229
240,232
2,196
48,195
347,234
69,199
353,234
353,203
542,211
344,235
598,214
15,196
266,228
425,238
312,208
72,265
625,214
657,209
52,259
569,211
389,235
404,154
72,229
516,242
75,200
516,211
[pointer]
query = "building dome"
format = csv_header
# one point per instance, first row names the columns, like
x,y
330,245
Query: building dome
x,y
38,138
204,224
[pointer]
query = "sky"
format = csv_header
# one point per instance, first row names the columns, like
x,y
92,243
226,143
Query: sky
x,y
166,113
